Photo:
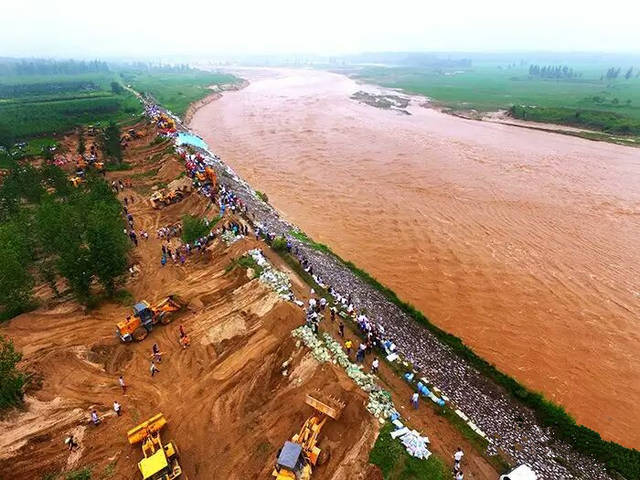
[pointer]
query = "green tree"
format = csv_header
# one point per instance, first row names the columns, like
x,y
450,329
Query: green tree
x,y
82,147
7,138
11,378
108,246
111,142
193,228
16,281
116,88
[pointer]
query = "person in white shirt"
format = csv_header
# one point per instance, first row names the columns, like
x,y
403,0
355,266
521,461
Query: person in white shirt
x,y
458,456
117,408
374,365
460,475
414,400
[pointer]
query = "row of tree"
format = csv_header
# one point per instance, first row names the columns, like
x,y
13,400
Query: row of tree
x,y
613,73
39,66
552,71
50,230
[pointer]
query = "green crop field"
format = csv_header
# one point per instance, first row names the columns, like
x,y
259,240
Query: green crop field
x,y
44,97
33,105
176,90
485,86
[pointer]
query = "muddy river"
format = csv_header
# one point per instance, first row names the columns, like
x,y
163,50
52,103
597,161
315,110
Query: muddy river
x,y
523,243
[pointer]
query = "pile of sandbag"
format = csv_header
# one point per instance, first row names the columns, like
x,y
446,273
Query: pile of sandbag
x,y
274,279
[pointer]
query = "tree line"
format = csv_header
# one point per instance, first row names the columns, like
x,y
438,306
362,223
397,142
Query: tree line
x,y
39,66
613,73
553,71
50,230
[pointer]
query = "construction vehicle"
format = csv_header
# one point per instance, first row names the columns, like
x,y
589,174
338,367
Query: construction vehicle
x,y
160,460
145,316
297,458
174,192
207,176
76,180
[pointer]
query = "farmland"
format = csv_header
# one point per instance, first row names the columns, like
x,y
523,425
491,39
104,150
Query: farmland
x,y
45,97
33,105
176,90
487,86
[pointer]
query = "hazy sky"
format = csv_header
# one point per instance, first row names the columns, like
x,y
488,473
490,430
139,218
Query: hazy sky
x,y
198,27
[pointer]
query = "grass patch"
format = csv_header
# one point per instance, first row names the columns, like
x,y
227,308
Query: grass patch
x,y
118,167
315,245
246,262
149,173
177,90
396,464
124,297
262,196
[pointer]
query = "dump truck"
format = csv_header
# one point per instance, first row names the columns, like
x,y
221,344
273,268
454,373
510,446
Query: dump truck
x,y
137,326
298,456
174,192
160,460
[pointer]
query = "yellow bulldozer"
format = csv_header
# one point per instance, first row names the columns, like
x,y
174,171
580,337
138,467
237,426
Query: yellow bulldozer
x,y
299,456
174,192
145,316
160,460
76,180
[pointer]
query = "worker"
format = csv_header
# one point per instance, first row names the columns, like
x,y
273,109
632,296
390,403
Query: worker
x,y
122,384
348,345
94,417
414,400
185,341
117,408
460,475
155,350
153,369
71,443
182,332
340,328
374,366
457,457
332,311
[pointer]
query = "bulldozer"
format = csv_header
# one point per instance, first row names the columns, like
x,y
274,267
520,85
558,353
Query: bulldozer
x,y
300,455
174,192
160,460
76,180
145,316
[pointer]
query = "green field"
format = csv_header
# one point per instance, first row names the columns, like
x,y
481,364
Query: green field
x,y
488,86
32,105
176,90
37,100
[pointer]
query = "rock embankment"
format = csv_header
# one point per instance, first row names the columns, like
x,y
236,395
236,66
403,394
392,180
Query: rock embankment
x,y
511,427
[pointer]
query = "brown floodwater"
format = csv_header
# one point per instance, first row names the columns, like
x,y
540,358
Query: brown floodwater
x,y
523,243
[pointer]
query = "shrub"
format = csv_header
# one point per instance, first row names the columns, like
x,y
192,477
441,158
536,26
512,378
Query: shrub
x,y
193,228
11,379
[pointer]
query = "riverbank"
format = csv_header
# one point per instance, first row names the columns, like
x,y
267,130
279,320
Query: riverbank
x,y
511,427
217,91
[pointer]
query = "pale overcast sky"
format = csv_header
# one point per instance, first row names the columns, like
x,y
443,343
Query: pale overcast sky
x,y
200,27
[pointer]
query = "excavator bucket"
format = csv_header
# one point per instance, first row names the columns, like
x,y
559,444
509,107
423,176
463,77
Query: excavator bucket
x,y
330,406
140,432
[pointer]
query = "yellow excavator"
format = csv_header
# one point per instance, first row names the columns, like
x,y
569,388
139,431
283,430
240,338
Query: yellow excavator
x,y
297,457
145,316
160,460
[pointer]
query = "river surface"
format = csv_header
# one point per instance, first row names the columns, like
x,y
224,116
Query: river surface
x,y
523,243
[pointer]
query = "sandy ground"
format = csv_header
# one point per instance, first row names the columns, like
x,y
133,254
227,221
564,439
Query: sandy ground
x,y
228,405
521,242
